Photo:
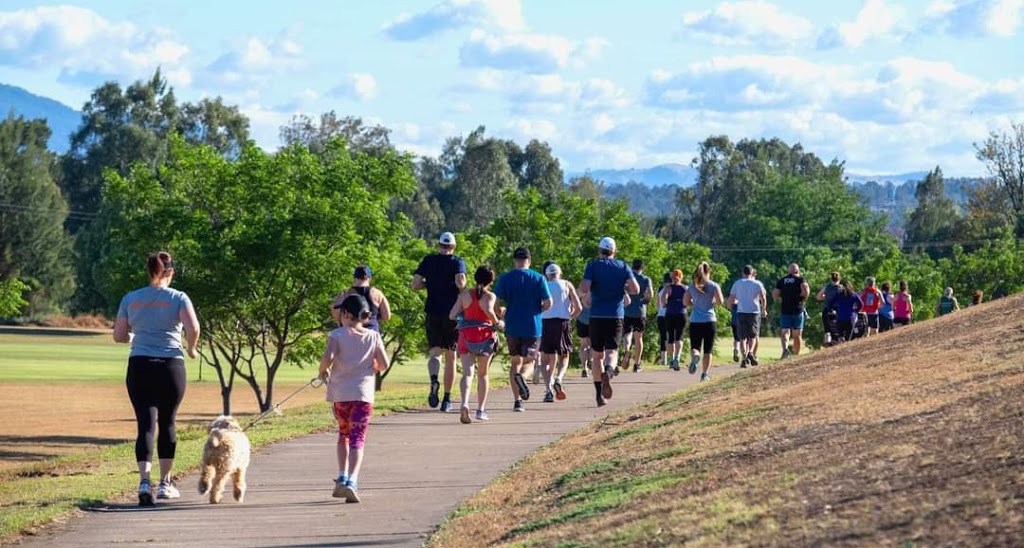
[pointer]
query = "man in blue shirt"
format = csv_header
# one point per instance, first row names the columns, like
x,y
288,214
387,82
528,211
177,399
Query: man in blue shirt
x,y
526,295
443,275
606,281
635,321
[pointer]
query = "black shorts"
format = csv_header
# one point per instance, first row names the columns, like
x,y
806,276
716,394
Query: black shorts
x,y
605,333
555,336
582,330
702,336
748,326
901,321
674,326
873,321
525,347
884,323
630,325
442,332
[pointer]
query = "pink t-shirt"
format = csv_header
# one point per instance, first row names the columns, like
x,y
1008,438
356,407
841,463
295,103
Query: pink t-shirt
x,y
352,374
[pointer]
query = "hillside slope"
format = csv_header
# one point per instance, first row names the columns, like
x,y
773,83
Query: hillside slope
x,y
914,437
63,120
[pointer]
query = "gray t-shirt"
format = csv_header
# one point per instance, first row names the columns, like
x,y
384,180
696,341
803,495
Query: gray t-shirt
x,y
748,295
152,314
703,309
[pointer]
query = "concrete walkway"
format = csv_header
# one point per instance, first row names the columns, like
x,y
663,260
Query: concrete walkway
x,y
419,466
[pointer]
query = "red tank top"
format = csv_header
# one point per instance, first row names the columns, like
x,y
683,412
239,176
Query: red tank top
x,y
474,312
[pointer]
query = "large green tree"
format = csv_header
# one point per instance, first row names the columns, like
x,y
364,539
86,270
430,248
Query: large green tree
x,y
1003,155
263,243
34,247
935,219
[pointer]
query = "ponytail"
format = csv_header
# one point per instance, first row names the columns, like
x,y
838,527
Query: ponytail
x,y
701,275
159,264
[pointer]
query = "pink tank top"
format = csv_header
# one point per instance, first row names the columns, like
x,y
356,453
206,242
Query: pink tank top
x,y
901,306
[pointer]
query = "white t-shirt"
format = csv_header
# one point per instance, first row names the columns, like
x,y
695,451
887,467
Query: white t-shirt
x,y
748,295
559,301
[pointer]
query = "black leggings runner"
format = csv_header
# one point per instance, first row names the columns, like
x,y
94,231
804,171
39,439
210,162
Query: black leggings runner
x,y
156,387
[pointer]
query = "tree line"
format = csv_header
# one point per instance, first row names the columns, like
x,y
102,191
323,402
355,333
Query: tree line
x,y
265,239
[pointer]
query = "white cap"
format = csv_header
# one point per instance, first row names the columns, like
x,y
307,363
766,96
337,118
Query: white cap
x,y
447,238
553,269
607,244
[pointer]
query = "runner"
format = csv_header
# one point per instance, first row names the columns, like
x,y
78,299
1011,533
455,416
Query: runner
x,y
734,328
556,337
748,296
583,333
792,292
666,280
885,310
635,318
902,306
701,298
380,309
828,295
872,299
443,275
606,282
478,341
847,304
526,296
673,300
947,303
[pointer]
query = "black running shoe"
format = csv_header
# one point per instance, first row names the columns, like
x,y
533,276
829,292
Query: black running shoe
x,y
524,389
432,399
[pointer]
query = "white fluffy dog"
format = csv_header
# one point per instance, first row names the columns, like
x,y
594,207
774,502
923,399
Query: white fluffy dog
x,y
226,453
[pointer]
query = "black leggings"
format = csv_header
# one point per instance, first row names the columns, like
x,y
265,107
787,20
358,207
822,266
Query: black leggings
x,y
702,336
674,326
156,387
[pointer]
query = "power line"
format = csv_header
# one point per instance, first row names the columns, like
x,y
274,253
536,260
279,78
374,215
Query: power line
x,y
71,213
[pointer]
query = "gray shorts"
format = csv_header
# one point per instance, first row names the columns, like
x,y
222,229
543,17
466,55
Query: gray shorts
x,y
748,326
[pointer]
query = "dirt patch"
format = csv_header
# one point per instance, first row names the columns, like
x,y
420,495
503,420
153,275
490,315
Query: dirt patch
x,y
910,438
41,421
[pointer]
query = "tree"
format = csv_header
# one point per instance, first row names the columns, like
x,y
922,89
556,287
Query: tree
x,y
11,301
1003,155
541,170
481,177
34,248
264,244
587,187
934,219
211,122
317,135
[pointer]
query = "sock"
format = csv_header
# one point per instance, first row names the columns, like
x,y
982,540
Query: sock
x,y
433,378
597,388
447,396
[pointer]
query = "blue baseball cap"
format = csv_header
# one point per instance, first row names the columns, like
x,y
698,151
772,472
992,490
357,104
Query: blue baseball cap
x,y
362,272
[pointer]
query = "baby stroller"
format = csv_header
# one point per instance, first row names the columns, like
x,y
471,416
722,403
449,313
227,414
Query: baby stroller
x,y
860,327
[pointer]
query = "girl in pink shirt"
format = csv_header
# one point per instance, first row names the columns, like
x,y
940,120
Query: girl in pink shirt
x,y
353,355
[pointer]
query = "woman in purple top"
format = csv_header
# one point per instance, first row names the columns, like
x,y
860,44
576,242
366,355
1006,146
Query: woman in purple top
x,y
847,304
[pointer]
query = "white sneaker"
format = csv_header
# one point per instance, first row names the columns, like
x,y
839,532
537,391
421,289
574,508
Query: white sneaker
x,y
167,491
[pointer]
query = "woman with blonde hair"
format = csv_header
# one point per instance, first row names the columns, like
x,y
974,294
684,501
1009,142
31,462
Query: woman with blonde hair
x,y
701,298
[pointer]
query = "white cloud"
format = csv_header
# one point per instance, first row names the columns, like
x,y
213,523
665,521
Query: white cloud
x,y
525,129
548,94
359,86
527,52
876,20
974,17
86,47
255,61
504,15
749,23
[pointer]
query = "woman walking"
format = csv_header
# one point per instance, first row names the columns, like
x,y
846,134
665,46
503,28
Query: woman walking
x,y
353,355
885,311
380,309
666,280
902,306
675,317
478,340
701,298
847,305
151,319
947,303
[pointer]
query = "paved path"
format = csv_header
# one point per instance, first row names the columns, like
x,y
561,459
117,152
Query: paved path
x,y
419,466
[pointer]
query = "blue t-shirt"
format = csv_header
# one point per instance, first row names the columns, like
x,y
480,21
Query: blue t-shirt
x,y
523,290
847,306
703,309
438,272
637,307
886,307
748,295
608,279
152,314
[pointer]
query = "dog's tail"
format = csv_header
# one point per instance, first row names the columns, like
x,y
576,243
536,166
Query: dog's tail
x,y
216,438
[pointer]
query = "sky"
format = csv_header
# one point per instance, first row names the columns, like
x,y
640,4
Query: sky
x,y
885,86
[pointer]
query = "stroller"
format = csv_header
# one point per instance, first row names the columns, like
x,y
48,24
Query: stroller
x,y
860,327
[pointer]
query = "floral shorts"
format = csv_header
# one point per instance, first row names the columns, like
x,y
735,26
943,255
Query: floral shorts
x,y
353,420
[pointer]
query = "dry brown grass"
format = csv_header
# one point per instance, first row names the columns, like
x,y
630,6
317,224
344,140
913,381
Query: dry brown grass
x,y
914,437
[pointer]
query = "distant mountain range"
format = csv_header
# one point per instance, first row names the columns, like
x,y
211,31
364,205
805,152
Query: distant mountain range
x,y
63,120
683,176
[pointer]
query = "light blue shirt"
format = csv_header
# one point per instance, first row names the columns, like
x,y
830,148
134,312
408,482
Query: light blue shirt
x,y
523,290
748,295
152,314
703,309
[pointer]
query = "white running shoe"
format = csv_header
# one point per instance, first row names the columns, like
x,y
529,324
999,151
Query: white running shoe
x,y
167,491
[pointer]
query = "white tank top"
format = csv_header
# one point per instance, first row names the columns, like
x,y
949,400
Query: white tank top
x,y
661,309
559,301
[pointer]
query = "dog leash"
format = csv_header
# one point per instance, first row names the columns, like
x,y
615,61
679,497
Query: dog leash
x,y
315,382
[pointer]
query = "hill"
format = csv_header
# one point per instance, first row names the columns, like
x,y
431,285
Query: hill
x,y
63,120
909,438
659,175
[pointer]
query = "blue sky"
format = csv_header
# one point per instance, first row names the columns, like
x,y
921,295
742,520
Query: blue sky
x,y
885,86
